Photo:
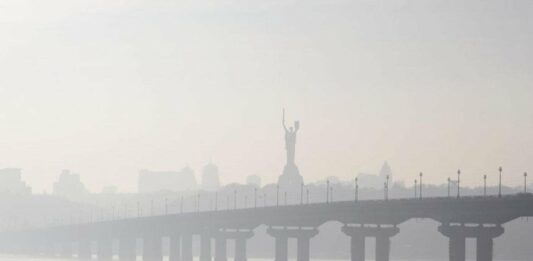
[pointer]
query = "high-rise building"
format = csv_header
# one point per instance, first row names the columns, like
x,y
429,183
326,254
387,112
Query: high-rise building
x,y
375,181
11,182
210,179
253,180
69,185
158,181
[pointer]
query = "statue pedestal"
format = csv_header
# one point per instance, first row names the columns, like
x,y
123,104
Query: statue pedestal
x,y
290,180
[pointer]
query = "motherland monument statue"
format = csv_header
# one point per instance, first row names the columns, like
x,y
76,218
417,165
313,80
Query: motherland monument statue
x,y
290,179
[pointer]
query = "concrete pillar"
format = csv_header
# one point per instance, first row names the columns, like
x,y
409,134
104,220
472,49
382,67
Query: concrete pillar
x,y
357,248
484,249
303,249
221,249
186,247
127,249
105,249
205,247
84,249
240,249
175,248
457,248
66,249
152,248
382,248
282,247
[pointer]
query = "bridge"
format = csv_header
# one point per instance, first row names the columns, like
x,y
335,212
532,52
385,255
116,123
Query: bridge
x,y
480,218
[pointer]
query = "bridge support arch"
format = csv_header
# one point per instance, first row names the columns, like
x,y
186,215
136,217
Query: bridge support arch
x,y
127,248
84,249
152,247
358,235
303,237
484,236
105,249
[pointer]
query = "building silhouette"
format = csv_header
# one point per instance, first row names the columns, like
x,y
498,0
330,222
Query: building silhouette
x,y
373,180
159,181
253,180
11,182
69,185
210,179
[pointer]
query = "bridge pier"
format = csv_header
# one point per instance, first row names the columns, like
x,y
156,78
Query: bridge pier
x,y
205,246
221,248
186,247
84,249
152,248
127,249
66,249
484,236
303,237
358,234
175,248
241,239
105,249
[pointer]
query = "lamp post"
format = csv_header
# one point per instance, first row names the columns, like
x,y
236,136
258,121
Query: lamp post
x,y
415,188
327,191
387,180
458,183
234,199
264,199
277,195
307,191
216,200
255,197
449,185
356,190
525,182
198,202
421,185
484,185
181,204
500,182
302,193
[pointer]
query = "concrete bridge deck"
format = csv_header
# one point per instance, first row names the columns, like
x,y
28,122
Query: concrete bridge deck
x,y
460,218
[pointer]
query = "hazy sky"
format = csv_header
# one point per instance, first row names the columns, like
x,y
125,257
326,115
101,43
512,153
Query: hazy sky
x,y
106,88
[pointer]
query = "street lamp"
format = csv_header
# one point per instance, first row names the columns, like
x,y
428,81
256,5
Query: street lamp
x,y
255,197
356,190
277,195
449,185
216,200
302,193
525,182
235,199
198,202
500,183
327,191
485,185
415,188
458,183
387,180
421,185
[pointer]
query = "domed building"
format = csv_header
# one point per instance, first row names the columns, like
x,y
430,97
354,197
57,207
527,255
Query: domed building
x,y
210,180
